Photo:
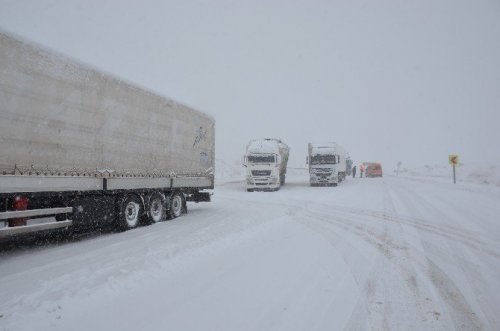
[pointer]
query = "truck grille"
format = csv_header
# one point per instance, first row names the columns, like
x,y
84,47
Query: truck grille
x,y
261,172
322,171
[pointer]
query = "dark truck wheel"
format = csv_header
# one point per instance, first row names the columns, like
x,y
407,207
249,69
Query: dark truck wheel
x,y
130,212
176,205
157,208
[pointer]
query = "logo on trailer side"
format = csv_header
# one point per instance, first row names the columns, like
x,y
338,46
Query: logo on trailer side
x,y
200,135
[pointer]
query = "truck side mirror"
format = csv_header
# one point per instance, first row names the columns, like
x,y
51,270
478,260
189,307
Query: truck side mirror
x,y
307,159
244,161
278,159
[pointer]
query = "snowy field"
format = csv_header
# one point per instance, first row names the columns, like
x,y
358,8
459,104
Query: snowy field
x,y
478,174
382,253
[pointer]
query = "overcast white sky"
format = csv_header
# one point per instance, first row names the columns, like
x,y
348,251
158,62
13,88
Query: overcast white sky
x,y
409,81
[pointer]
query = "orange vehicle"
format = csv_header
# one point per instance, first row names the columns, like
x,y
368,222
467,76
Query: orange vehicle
x,y
373,170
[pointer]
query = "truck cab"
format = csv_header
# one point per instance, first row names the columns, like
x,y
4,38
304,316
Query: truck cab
x,y
262,171
265,162
323,164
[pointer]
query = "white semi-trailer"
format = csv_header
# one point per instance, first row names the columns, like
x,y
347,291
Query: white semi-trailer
x,y
266,161
327,163
81,148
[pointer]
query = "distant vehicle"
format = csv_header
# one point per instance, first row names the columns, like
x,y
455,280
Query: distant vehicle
x,y
366,164
373,170
82,148
327,163
266,161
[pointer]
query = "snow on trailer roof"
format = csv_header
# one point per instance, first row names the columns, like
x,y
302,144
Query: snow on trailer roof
x,y
58,64
323,148
264,146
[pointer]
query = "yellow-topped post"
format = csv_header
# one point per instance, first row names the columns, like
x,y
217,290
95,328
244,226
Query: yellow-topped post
x,y
453,160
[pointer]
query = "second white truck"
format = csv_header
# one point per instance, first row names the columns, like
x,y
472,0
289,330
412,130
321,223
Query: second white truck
x,y
266,161
327,163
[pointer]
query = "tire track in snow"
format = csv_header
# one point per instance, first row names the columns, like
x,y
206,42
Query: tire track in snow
x,y
369,307
463,315
376,286
386,246
426,269
447,232
129,255
299,215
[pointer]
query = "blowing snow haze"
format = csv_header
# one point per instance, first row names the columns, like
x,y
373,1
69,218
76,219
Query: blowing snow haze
x,y
390,80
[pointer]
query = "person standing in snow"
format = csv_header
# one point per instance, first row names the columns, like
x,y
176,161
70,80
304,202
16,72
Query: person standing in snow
x,y
354,172
361,170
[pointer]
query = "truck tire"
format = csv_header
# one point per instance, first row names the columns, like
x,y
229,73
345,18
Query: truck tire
x,y
157,208
176,205
130,212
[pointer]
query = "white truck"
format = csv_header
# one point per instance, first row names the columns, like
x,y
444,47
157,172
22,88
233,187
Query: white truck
x,y
327,163
265,161
81,148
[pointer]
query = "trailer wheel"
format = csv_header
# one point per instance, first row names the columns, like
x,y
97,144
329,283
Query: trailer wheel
x,y
130,212
157,208
176,205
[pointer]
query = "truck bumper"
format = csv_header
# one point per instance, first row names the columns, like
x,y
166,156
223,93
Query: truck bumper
x,y
263,183
323,180
10,231
7,231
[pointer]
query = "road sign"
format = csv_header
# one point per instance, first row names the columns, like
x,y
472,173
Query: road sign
x,y
453,159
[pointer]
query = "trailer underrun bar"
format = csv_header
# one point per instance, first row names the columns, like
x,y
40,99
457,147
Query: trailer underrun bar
x,y
9,231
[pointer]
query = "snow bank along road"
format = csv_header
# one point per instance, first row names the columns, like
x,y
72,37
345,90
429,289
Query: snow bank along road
x,y
370,254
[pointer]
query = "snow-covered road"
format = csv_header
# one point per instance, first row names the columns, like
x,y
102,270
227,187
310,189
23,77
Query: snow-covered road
x,y
386,253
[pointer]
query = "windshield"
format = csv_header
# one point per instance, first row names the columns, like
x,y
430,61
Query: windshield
x,y
323,159
268,158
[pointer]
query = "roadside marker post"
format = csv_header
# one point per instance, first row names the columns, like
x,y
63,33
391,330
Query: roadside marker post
x,y
453,160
